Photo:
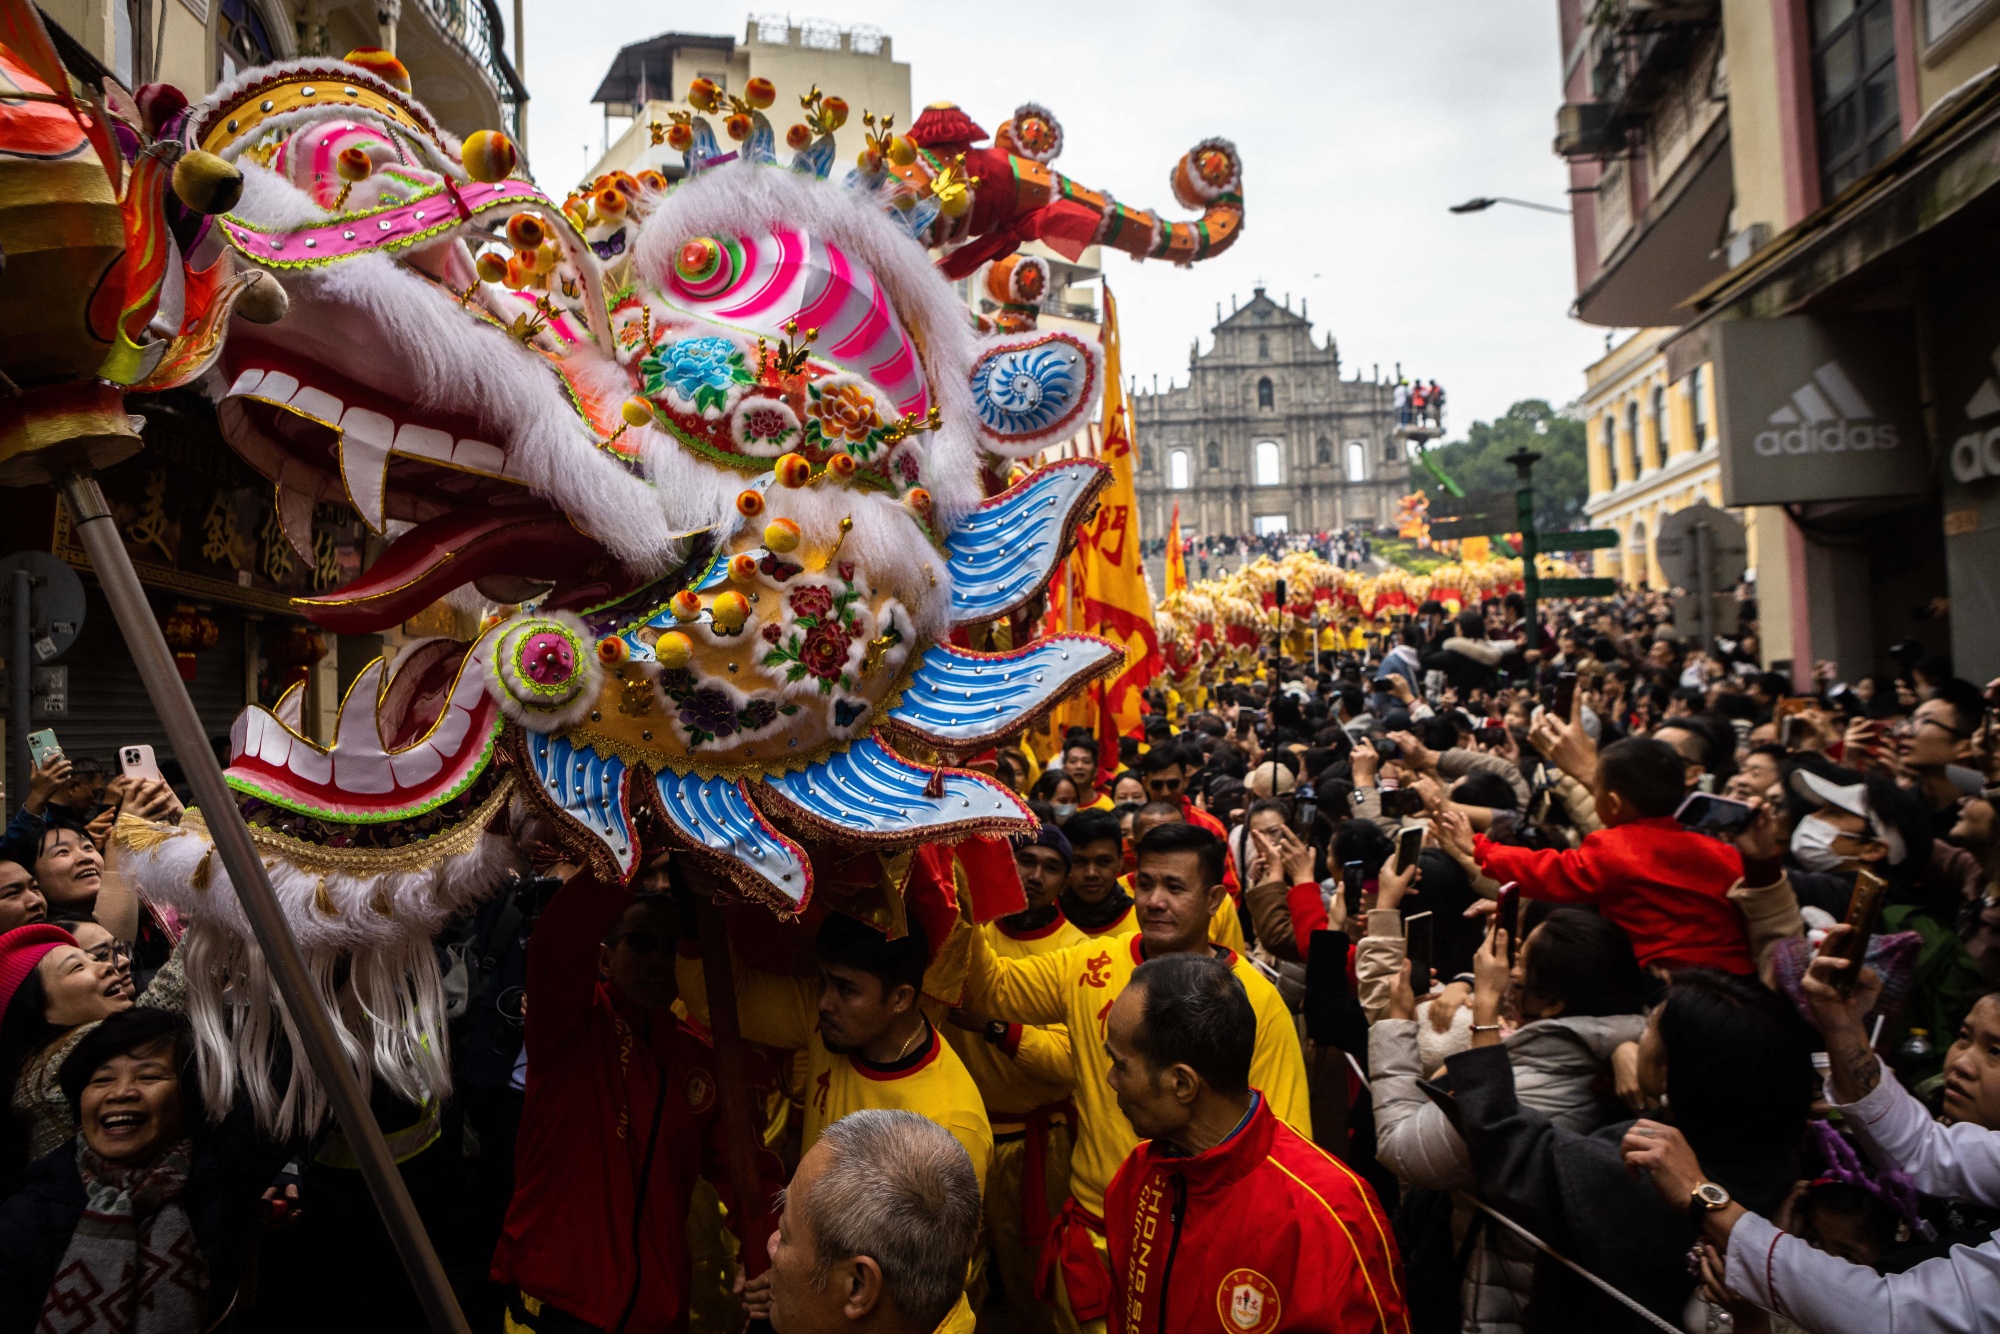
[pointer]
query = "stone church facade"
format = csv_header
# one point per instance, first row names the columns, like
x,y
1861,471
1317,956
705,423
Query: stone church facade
x,y
1267,433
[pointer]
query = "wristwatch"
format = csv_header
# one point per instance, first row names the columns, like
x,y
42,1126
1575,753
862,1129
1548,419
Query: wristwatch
x,y
996,1033
1706,1198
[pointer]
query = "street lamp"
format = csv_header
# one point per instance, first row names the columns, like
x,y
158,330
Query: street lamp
x,y
1482,203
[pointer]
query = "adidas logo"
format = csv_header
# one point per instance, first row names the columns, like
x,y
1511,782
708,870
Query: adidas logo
x,y
1976,454
1827,415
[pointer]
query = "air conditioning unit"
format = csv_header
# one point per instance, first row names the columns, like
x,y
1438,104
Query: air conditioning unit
x,y
1584,129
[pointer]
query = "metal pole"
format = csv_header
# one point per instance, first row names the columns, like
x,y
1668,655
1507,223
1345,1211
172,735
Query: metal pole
x,y
253,890
17,714
1704,610
1524,461
738,1121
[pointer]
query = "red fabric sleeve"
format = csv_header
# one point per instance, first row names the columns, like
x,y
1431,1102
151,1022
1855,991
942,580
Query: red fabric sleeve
x,y
1572,876
1308,915
759,1223
562,960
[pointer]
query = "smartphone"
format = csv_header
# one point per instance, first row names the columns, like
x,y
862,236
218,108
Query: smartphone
x,y
1417,947
1409,843
138,762
1724,817
1864,913
1507,916
42,746
1352,877
1401,802
1564,697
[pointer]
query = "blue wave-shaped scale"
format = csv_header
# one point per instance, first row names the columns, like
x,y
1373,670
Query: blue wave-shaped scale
x,y
956,696
590,789
1003,552
871,795
714,813
1020,391
816,158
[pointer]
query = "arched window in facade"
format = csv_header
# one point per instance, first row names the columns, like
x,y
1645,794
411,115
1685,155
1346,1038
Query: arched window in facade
x,y
1610,434
1264,348
1659,413
1214,455
1357,460
1323,452
1637,569
1270,457
1264,392
1177,470
1632,440
1145,458
1698,405
241,41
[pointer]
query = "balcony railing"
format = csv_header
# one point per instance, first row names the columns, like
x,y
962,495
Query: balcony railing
x,y
480,32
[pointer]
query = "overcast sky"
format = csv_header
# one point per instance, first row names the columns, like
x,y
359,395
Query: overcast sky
x,y
1359,121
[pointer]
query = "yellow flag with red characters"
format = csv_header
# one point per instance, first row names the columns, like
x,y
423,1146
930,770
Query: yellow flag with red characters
x,y
1177,580
1112,598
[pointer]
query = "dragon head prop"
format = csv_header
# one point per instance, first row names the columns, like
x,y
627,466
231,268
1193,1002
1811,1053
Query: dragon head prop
x,y
734,445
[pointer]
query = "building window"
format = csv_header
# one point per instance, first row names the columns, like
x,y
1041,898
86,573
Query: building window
x,y
1177,470
1388,450
1610,434
1146,458
1264,351
1632,437
240,39
1270,463
1323,452
1264,392
1854,88
1637,570
1214,455
1698,405
1269,524
1357,460
1659,414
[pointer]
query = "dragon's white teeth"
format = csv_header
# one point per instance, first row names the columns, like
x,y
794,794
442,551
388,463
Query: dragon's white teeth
x,y
278,387
317,404
365,440
423,442
479,456
246,383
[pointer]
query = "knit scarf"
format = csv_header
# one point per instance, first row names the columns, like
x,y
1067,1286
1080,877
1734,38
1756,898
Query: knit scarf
x,y
132,1266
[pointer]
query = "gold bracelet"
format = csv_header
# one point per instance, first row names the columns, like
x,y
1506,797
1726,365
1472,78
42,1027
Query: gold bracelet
x,y
1486,1028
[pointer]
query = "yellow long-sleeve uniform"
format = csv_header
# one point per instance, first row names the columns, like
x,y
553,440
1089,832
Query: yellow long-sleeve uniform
x,y
784,1012
1075,986
1032,1068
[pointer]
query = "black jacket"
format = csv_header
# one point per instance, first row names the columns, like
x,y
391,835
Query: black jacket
x,y
226,1179
1573,1192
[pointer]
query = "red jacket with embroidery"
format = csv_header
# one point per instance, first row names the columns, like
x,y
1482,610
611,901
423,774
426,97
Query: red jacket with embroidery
x,y
609,1085
1263,1233
1666,885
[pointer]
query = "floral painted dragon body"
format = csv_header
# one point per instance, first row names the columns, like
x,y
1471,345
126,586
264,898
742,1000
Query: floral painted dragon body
x,y
732,442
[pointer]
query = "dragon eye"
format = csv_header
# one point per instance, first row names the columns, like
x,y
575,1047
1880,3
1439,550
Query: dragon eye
x,y
705,266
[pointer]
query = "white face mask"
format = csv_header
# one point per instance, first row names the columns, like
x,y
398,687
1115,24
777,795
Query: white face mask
x,y
1063,809
1812,844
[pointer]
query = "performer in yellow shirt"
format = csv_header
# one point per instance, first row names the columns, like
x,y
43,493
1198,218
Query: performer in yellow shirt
x,y
867,1042
1098,900
1079,761
1024,1071
1178,887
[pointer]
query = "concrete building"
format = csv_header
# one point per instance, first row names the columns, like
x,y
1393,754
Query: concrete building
x,y
650,78
1652,449
1266,436
1796,201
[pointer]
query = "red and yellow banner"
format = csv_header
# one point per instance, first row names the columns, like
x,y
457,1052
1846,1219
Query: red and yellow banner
x,y
1177,580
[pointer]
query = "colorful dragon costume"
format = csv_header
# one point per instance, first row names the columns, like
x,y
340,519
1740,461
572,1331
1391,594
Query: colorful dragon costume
x,y
732,443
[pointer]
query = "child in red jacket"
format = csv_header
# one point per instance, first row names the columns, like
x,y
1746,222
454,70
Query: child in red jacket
x,y
1666,885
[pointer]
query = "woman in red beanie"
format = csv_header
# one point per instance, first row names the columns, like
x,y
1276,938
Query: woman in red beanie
x,y
51,993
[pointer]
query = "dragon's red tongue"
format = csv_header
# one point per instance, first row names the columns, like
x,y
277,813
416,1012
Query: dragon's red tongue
x,y
530,542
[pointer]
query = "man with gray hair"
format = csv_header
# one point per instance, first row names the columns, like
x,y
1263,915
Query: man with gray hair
x,y
877,1228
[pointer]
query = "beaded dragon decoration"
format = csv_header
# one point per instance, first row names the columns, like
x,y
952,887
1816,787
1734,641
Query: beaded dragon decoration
x,y
733,446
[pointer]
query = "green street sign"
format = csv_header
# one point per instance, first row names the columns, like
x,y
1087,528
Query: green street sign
x,y
1577,588
1591,539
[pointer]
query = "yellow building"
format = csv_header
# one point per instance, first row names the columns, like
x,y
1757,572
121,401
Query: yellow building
x,y
1651,445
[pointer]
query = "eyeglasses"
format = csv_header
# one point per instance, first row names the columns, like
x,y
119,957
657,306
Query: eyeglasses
x,y
1909,726
112,950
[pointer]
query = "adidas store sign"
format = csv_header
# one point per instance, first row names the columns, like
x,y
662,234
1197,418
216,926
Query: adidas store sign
x,y
1815,410
1826,415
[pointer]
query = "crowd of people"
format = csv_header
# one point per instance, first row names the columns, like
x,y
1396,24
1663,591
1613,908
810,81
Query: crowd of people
x,y
1348,548
1493,978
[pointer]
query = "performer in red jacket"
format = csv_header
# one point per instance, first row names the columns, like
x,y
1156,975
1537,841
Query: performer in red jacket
x,y
622,1116
1226,1216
